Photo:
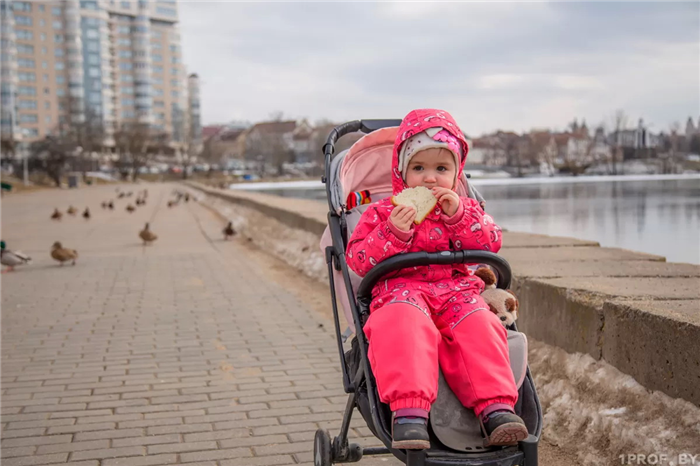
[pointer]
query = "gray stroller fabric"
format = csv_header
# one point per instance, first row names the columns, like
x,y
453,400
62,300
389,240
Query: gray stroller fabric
x,y
456,426
336,189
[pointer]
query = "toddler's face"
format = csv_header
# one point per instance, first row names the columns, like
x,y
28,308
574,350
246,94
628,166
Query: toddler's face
x,y
432,168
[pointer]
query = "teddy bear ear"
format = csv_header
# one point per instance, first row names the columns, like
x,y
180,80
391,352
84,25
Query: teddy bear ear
x,y
516,303
511,304
486,275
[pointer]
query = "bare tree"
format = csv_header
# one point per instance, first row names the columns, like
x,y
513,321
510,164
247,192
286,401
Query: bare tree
x,y
136,143
51,155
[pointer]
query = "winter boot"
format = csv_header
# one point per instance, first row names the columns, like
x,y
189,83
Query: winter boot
x,y
502,428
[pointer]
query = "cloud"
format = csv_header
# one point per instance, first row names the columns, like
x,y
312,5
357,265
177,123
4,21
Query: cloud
x,y
492,65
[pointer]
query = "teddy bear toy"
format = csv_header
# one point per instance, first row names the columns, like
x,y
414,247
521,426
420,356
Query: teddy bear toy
x,y
503,303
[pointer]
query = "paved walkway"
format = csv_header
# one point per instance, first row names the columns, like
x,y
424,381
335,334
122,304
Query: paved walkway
x,y
177,353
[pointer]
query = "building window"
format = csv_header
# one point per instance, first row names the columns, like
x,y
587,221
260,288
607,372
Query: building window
x,y
47,105
92,34
94,72
156,45
126,5
93,59
157,69
127,102
157,92
96,85
174,94
42,23
158,103
60,65
156,34
56,11
95,98
43,37
26,63
160,116
173,71
60,79
28,118
58,52
125,53
44,64
25,49
47,91
123,29
123,41
27,90
46,78
127,90
125,66
57,25
26,76
60,92
21,6
23,20
166,11
157,57
58,38
128,114
47,119
88,5
30,132
23,34
127,78
93,46
44,50
27,104
157,80
41,7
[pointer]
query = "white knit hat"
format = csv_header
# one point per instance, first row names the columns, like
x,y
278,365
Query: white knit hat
x,y
427,140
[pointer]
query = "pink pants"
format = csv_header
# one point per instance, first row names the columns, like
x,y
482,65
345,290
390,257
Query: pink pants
x,y
405,347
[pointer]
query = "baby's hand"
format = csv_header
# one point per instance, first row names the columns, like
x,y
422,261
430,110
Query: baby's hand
x,y
403,216
448,199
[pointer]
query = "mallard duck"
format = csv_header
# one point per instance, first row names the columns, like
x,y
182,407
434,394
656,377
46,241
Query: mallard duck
x,y
104,205
147,235
86,214
121,195
56,215
62,254
187,197
229,231
111,205
72,210
12,258
130,208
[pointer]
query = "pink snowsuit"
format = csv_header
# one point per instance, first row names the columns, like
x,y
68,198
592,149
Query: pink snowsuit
x,y
430,314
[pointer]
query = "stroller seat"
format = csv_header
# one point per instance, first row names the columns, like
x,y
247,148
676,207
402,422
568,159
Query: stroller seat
x,y
456,437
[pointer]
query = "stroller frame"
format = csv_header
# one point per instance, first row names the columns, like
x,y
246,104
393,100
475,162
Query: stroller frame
x,y
329,450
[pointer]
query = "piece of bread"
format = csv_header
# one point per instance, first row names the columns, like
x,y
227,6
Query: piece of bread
x,y
419,197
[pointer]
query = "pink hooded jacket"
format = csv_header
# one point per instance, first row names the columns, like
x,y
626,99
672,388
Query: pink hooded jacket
x,y
375,238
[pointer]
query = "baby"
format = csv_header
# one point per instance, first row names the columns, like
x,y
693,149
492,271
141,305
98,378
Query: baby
x,y
433,315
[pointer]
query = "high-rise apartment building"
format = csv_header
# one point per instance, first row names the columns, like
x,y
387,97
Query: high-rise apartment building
x,y
106,61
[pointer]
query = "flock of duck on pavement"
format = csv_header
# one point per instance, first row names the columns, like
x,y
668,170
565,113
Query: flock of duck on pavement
x,y
62,254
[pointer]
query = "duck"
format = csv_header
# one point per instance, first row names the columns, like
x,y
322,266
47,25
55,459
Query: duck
x,y
72,210
86,214
62,254
56,215
104,205
12,258
111,205
229,231
130,208
147,235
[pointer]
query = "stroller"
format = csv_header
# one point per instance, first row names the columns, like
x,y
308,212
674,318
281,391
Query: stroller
x,y
455,434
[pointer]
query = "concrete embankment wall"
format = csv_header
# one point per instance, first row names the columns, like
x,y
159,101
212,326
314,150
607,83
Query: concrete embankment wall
x,y
631,309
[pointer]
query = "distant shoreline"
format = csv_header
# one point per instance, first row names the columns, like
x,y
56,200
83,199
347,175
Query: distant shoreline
x,y
314,184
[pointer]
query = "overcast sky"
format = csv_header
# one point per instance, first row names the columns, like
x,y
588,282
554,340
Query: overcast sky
x,y
510,66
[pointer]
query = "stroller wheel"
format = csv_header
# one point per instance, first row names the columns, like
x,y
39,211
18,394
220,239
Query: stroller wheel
x,y
322,448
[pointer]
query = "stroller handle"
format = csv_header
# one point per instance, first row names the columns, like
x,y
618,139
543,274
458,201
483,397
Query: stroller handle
x,y
366,126
413,259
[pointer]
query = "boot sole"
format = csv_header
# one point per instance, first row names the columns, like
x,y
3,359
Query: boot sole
x,y
506,435
410,444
